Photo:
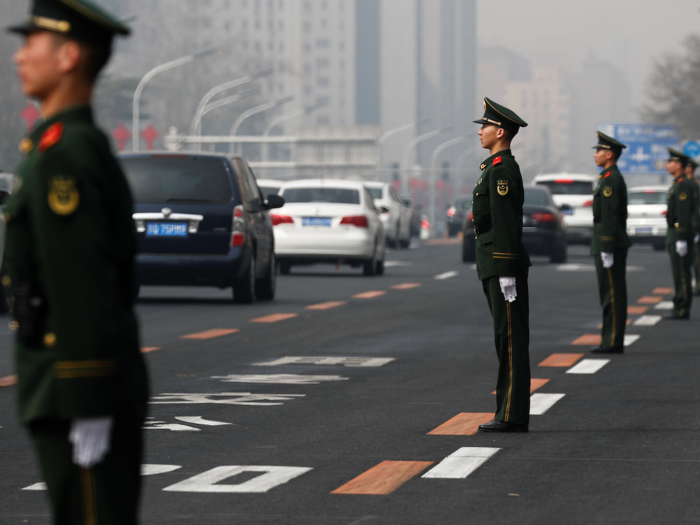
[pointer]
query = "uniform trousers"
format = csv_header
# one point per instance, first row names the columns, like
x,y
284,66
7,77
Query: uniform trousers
x,y
682,280
106,494
511,325
612,288
696,264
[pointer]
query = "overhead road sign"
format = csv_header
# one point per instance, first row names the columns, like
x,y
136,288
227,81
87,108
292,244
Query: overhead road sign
x,y
647,144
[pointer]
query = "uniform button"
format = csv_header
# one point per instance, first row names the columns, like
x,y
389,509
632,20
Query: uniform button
x,y
49,340
6,281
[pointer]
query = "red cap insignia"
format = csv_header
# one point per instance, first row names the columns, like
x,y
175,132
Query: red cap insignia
x,y
497,160
51,136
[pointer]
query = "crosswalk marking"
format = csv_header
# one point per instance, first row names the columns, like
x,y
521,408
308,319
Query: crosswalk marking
x,y
561,360
211,334
326,306
369,295
662,291
648,320
631,338
588,340
360,362
384,478
650,299
446,275
279,379
540,403
464,424
210,481
274,318
664,305
588,366
462,463
637,310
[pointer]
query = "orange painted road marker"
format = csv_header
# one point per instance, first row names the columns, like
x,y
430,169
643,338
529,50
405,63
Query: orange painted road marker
x,y
650,299
326,306
384,479
407,286
274,318
149,349
211,334
637,310
588,339
8,381
562,360
663,291
464,424
535,384
368,295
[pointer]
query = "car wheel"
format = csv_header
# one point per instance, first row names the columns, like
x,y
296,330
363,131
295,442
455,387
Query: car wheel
x,y
659,247
244,288
369,268
285,268
266,287
560,254
468,251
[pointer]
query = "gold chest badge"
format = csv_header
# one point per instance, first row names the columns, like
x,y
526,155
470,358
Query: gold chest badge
x,y
607,191
63,195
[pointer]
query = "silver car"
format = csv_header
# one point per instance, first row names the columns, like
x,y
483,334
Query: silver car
x,y
646,215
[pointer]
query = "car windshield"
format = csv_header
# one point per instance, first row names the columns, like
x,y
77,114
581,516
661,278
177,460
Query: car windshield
x,y
268,190
568,187
322,194
647,197
178,180
535,197
376,192
463,205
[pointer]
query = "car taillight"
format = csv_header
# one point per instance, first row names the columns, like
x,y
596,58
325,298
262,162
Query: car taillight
x,y
281,219
238,239
425,225
564,181
544,217
471,216
664,213
238,230
238,212
451,212
356,220
587,204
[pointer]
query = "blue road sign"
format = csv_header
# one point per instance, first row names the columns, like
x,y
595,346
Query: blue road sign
x,y
646,151
692,149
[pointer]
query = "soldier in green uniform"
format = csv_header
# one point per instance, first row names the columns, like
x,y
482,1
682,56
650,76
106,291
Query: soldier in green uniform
x,y
690,175
502,264
680,218
70,246
610,243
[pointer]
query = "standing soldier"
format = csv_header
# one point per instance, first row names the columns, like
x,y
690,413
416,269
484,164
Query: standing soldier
x,y
82,382
680,218
502,264
610,243
690,174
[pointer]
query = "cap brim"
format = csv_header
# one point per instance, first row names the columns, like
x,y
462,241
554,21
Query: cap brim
x,y
23,29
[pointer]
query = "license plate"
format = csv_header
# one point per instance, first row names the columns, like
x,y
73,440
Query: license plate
x,y
166,229
316,221
567,212
643,230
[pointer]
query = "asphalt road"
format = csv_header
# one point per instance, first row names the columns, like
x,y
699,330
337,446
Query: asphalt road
x,y
244,431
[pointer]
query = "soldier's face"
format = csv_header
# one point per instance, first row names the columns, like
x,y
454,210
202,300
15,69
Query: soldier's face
x,y
689,170
40,63
488,135
674,167
602,156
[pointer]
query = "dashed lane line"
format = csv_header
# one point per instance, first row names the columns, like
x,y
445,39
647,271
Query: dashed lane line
x,y
588,366
369,295
535,384
464,424
446,275
595,339
662,291
149,349
384,478
460,464
540,403
406,286
648,320
664,305
326,306
650,299
211,334
274,318
637,310
561,360
396,264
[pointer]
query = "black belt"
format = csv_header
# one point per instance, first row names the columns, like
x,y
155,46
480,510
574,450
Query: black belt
x,y
480,230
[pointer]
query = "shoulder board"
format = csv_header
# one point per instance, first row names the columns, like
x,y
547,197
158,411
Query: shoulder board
x,y
497,161
51,137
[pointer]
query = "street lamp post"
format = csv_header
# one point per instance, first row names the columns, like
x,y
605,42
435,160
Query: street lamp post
x,y
284,118
433,171
413,144
254,111
135,124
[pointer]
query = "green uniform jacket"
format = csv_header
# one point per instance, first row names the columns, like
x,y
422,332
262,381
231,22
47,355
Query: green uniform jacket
x,y
610,213
682,212
498,213
696,218
70,234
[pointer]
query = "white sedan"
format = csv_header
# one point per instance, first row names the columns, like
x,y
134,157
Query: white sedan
x,y
646,215
393,212
329,221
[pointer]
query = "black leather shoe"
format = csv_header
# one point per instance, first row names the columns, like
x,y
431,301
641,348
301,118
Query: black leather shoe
x,y
676,317
608,350
500,426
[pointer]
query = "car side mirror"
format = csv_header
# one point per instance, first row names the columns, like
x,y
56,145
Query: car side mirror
x,y
274,201
408,202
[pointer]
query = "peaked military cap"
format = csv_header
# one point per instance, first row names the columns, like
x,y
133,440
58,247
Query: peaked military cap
x,y
78,19
607,142
501,116
693,162
674,154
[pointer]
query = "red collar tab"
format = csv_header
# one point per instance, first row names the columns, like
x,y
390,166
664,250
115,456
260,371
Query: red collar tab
x,y
608,174
680,180
497,161
51,136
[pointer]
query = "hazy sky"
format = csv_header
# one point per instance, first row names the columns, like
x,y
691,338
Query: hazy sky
x,y
630,34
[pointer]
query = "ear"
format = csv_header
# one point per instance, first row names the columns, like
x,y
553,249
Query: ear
x,y
69,56
500,133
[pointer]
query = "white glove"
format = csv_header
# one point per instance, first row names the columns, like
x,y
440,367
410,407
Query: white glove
x,y
91,440
682,248
608,259
508,288
697,238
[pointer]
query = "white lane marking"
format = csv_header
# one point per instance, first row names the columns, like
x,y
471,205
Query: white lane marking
x,y
588,366
540,403
460,464
446,275
394,264
629,339
196,420
647,320
279,379
664,305
591,268
207,482
162,425
225,398
146,470
368,362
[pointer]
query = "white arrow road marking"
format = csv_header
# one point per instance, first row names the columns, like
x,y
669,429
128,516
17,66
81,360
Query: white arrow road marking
x,y
279,379
629,339
146,470
393,264
588,366
369,362
446,275
664,305
540,403
225,398
647,320
162,425
196,420
460,464
207,482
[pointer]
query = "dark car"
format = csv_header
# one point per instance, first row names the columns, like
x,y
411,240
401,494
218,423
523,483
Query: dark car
x,y
544,230
201,220
456,214
416,217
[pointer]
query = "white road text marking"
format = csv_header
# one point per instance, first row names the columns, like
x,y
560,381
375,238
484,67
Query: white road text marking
x,y
196,420
207,482
447,275
461,463
369,362
279,379
146,470
225,398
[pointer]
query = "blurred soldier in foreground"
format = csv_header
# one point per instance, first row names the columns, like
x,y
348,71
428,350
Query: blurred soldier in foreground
x,y
610,243
502,264
82,384
679,239
690,174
